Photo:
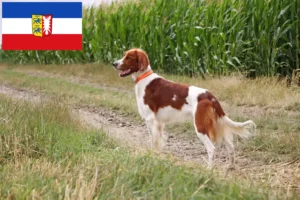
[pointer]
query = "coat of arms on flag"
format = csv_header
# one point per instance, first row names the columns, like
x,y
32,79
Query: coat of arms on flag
x,y
42,25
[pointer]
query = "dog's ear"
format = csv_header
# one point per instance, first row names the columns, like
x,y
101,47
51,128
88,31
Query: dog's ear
x,y
143,60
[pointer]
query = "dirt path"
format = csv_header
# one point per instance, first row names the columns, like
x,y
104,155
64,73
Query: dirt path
x,y
182,146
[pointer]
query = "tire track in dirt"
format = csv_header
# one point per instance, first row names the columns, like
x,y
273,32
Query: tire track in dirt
x,y
183,147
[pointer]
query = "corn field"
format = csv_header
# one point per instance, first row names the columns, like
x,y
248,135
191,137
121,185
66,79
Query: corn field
x,y
191,37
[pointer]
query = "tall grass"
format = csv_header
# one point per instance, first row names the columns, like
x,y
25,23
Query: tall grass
x,y
190,36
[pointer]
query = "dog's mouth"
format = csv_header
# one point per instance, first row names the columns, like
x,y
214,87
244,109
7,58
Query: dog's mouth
x,y
125,72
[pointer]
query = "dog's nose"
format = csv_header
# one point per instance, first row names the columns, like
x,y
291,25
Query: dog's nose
x,y
115,64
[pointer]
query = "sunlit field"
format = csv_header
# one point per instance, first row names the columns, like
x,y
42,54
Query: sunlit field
x,y
70,128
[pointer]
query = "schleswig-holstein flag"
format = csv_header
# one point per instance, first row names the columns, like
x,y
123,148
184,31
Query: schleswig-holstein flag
x,y
41,25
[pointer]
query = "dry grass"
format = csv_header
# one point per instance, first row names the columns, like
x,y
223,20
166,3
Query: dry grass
x,y
262,92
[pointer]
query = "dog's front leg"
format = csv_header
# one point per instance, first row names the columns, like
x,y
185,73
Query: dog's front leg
x,y
149,124
154,129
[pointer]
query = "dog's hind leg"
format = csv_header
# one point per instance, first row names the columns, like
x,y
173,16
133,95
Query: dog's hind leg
x,y
228,141
210,148
205,126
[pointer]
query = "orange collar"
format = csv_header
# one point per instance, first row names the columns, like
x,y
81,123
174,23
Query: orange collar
x,y
141,77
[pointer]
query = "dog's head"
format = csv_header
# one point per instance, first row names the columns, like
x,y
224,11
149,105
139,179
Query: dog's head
x,y
134,60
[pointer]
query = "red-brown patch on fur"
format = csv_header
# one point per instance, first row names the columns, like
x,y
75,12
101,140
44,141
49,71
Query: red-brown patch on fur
x,y
161,93
135,59
207,113
205,119
216,105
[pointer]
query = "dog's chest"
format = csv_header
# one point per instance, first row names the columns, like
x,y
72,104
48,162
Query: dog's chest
x,y
142,108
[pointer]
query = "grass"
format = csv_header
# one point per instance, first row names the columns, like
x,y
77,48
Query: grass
x,y
265,101
75,93
261,92
45,153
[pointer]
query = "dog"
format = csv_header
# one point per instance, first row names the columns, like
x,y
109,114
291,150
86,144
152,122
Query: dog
x,y
161,102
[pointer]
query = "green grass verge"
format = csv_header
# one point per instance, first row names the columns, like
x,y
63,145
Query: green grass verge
x,y
65,89
45,153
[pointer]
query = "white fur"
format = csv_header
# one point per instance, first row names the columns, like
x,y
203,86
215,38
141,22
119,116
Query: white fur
x,y
174,97
120,62
210,148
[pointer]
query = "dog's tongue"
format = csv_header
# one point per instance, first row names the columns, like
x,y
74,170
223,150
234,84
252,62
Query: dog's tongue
x,y
124,72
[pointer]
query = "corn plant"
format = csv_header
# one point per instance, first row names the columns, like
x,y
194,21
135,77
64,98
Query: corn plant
x,y
189,36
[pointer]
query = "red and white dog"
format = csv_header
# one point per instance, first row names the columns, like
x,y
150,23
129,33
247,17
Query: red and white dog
x,y
161,101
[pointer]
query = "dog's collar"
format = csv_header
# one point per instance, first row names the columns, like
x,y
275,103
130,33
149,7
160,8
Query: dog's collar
x,y
141,77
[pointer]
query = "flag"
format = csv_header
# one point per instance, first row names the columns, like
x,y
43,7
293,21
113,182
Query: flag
x,y
41,25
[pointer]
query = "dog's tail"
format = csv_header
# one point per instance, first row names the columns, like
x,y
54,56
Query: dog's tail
x,y
242,129
225,125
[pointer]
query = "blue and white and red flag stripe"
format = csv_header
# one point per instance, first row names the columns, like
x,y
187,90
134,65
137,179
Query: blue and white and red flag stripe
x,y
17,26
